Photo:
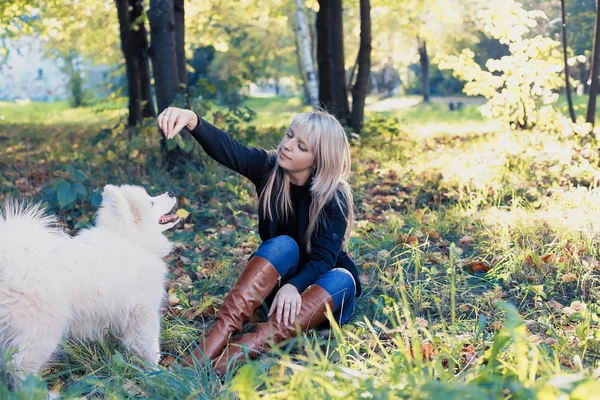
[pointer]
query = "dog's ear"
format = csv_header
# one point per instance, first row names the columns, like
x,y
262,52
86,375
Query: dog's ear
x,y
112,197
109,190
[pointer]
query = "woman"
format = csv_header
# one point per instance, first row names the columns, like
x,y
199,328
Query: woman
x,y
305,211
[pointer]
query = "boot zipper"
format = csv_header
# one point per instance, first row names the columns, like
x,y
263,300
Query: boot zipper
x,y
279,282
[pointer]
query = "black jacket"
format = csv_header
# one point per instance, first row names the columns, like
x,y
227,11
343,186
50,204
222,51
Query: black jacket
x,y
256,164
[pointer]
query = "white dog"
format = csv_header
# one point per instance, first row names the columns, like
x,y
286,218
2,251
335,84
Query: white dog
x,y
109,277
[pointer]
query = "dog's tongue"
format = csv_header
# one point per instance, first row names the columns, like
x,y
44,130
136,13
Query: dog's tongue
x,y
165,219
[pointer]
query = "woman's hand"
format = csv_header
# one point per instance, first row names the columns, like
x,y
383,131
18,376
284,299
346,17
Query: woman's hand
x,y
287,303
173,119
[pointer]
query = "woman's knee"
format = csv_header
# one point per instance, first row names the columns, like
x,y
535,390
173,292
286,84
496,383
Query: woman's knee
x,y
339,283
281,251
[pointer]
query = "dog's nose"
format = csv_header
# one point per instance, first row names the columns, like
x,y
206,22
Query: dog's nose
x,y
170,194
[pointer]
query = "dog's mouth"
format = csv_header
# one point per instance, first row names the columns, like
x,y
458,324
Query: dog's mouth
x,y
169,217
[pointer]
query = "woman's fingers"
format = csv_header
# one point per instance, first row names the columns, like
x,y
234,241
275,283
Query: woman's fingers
x,y
170,124
162,119
292,312
279,310
179,126
298,305
287,312
273,305
171,121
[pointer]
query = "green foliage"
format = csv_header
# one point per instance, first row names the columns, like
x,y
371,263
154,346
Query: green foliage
x,y
431,199
73,196
520,87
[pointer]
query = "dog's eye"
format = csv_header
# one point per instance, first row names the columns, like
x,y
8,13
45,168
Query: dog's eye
x,y
151,204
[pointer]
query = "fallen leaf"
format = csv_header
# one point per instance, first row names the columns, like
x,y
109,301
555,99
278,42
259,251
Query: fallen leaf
x,y
568,277
565,362
408,239
421,322
182,214
167,361
427,351
548,258
578,306
554,305
477,266
433,234
468,354
383,254
570,248
465,307
364,279
185,260
465,241
173,300
496,325
568,311
529,261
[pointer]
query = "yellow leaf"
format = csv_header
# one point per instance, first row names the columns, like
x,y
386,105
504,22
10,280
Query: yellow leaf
x,y
182,213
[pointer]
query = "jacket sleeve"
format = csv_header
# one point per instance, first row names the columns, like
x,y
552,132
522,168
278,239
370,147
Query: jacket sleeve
x,y
325,246
248,161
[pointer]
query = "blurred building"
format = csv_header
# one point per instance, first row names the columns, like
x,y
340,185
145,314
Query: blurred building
x,y
29,73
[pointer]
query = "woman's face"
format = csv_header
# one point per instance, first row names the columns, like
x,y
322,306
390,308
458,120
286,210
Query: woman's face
x,y
294,153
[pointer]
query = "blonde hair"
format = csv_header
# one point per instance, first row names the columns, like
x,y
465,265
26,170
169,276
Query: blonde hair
x,y
327,139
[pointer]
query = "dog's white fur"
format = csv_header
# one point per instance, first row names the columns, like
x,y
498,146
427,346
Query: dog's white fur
x,y
109,277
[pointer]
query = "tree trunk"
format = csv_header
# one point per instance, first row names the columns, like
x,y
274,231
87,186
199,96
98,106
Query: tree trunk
x,y
360,88
301,71
567,83
424,61
591,111
312,25
143,59
164,62
323,49
180,44
128,46
340,107
311,77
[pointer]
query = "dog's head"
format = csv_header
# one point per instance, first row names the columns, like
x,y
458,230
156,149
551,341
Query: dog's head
x,y
131,211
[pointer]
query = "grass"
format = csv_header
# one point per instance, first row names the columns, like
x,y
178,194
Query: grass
x,y
477,248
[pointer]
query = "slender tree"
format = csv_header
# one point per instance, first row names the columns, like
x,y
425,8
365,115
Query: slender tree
x,y
591,111
163,51
179,17
308,64
339,90
424,61
360,88
567,82
134,44
323,50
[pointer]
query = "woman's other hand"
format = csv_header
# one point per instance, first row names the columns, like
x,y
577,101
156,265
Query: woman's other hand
x,y
173,119
286,304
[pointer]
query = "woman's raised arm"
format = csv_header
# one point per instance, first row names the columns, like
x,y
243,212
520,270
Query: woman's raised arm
x,y
248,161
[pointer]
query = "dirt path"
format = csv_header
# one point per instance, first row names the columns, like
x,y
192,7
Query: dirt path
x,y
398,103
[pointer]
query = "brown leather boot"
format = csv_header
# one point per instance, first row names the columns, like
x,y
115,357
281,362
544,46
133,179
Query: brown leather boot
x,y
257,280
312,313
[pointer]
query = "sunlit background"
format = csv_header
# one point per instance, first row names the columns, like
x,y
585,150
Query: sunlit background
x,y
473,131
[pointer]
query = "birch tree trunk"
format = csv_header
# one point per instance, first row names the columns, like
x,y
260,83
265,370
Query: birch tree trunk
x,y
307,59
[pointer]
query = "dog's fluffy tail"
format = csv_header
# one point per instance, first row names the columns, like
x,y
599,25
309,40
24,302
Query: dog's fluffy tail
x,y
18,217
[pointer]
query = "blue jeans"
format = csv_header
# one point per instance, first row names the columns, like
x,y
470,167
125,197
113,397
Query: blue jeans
x,y
282,251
